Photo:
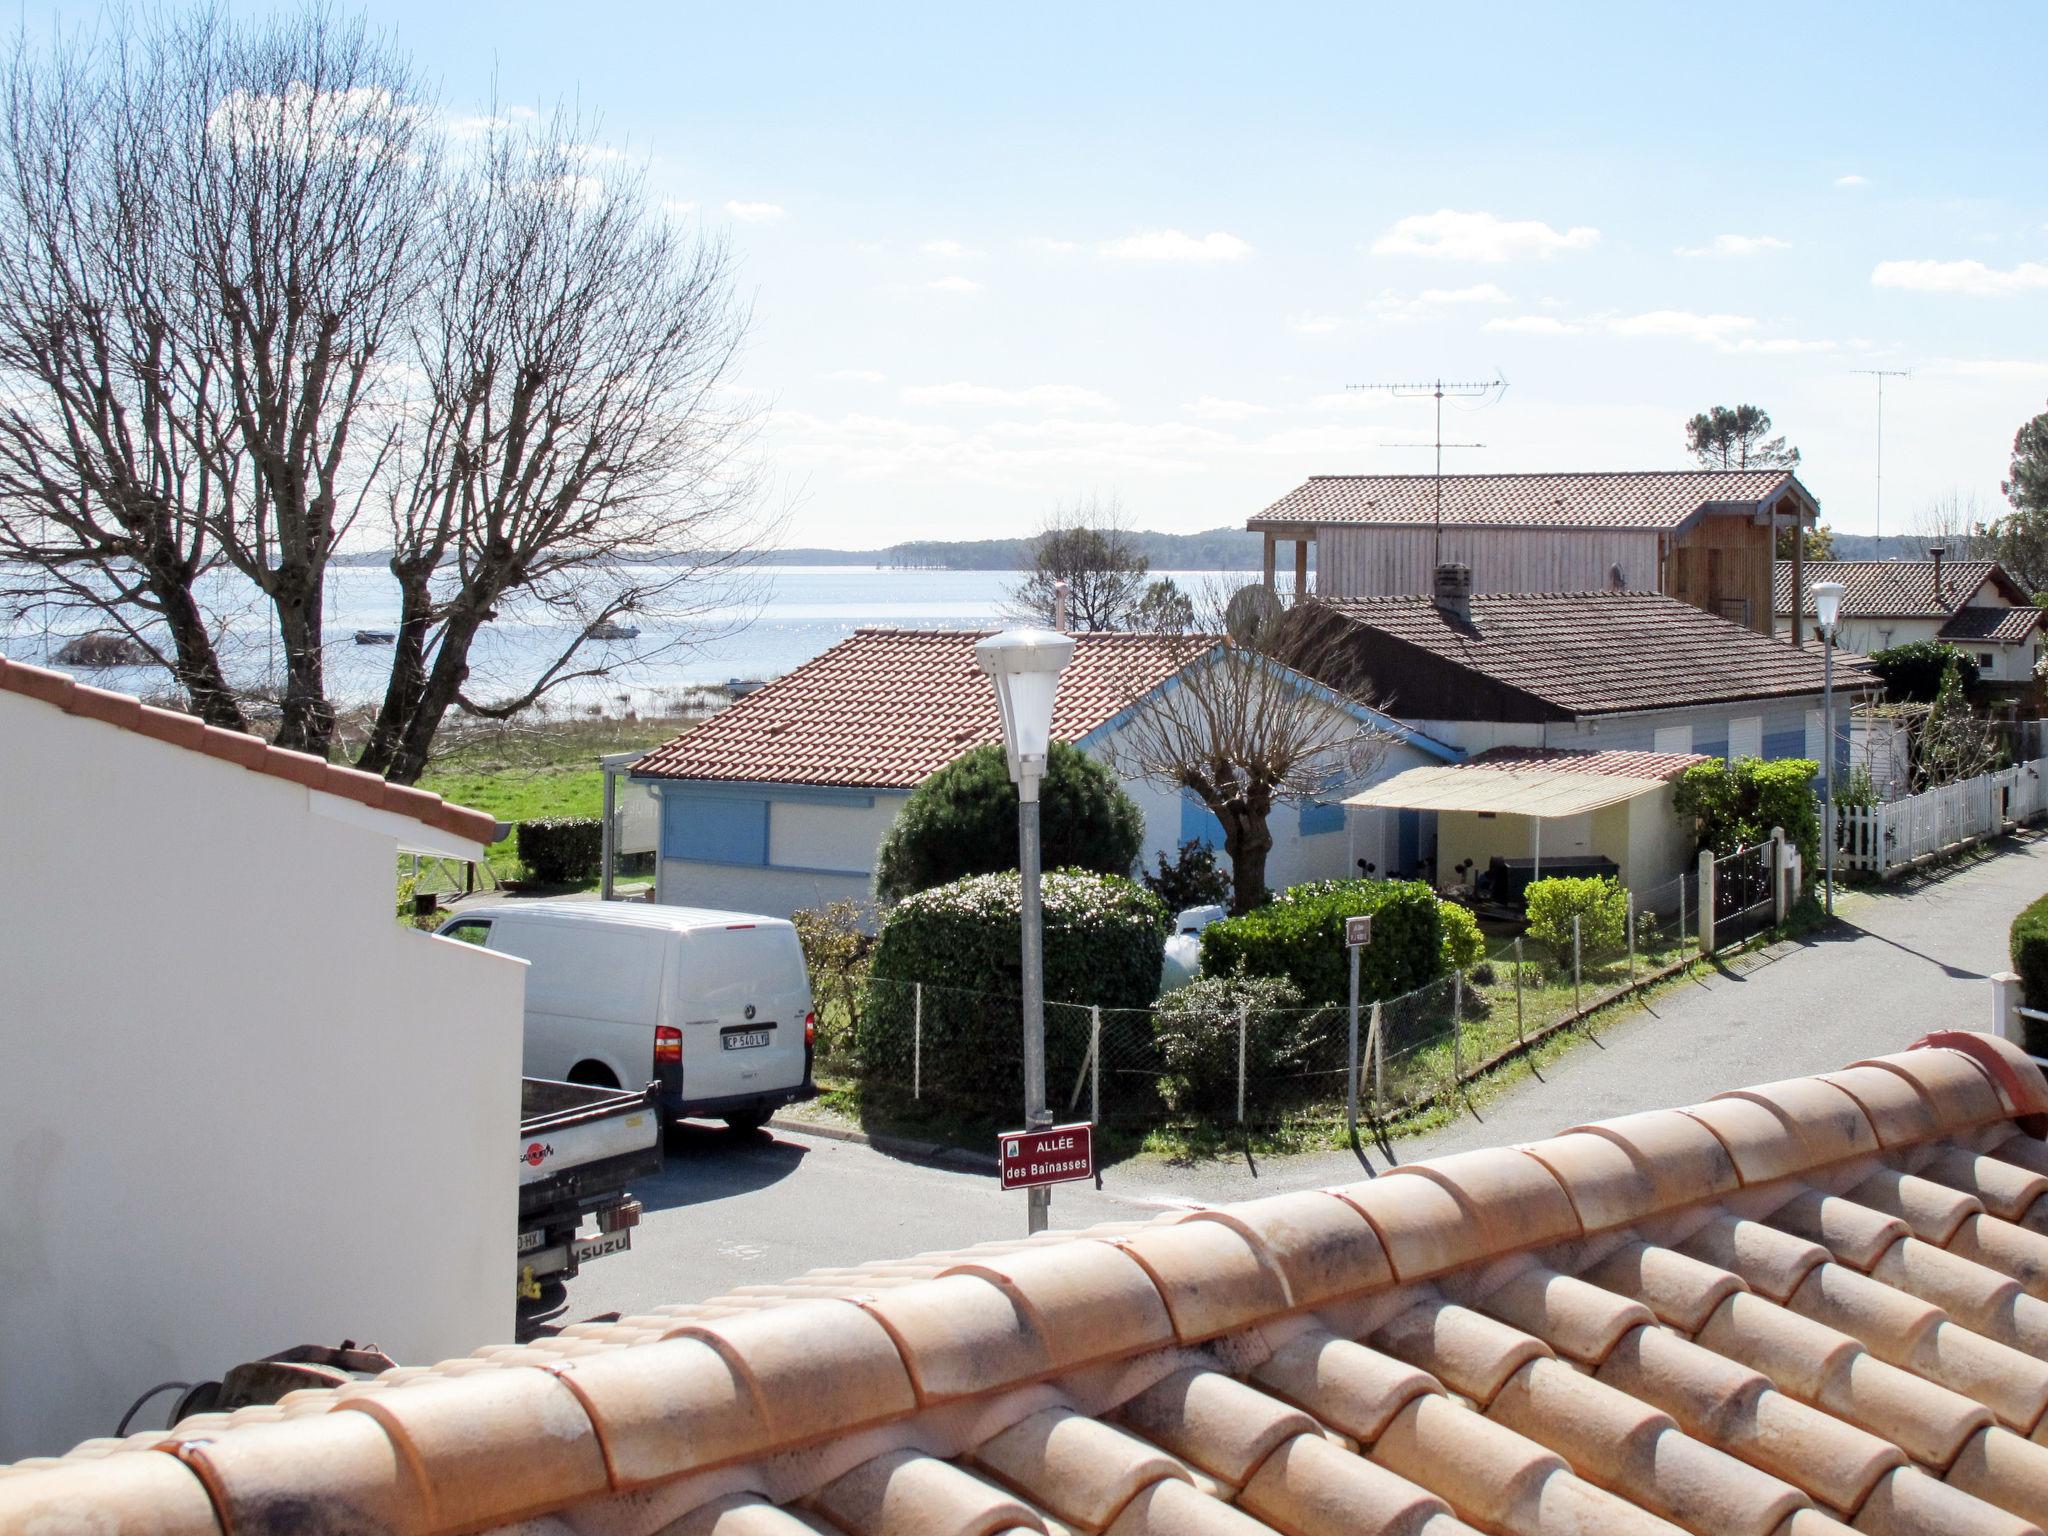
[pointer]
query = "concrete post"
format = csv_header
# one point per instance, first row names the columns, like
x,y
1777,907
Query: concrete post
x,y
1706,913
2005,1008
1780,906
608,856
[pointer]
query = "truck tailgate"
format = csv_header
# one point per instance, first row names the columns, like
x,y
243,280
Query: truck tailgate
x,y
577,1141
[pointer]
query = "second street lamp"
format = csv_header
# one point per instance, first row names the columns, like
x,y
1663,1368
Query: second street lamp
x,y
1827,612
1025,666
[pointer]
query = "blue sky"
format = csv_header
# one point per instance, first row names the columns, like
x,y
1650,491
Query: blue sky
x,y
1003,256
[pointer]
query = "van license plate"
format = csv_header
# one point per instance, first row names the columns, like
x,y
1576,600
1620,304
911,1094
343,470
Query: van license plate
x,y
744,1040
587,1248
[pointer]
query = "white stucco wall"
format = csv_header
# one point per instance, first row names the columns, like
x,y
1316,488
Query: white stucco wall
x,y
769,892
240,1107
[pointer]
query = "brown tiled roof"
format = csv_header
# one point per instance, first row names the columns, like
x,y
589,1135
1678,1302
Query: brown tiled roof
x,y
887,708
1614,764
1894,589
1994,626
1792,1308
180,730
1650,500
1592,653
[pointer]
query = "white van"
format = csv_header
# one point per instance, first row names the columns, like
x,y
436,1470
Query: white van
x,y
713,1006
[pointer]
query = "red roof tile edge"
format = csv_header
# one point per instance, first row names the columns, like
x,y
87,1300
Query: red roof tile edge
x,y
620,1408
181,730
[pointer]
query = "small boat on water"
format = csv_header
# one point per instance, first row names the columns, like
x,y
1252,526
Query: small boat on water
x,y
375,637
610,631
740,687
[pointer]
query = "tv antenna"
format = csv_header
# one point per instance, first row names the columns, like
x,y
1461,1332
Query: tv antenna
x,y
1439,390
1881,374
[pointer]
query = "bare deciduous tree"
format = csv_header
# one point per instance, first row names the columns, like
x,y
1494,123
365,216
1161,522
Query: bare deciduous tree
x,y
1244,727
1957,523
570,453
1085,544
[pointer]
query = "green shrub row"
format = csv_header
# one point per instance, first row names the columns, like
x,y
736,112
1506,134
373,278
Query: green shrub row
x,y
562,850
1104,942
1300,936
1735,804
2030,960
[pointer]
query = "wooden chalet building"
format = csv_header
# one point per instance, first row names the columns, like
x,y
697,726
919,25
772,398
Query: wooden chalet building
x,y
1706,537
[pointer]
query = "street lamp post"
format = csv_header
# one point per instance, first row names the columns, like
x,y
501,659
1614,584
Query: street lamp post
x,y
1025,666
1827,611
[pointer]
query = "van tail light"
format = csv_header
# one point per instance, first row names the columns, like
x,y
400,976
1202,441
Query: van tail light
x,y
668,1046
810,1029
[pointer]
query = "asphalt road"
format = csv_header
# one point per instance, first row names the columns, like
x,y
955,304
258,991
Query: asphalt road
x,y
739,1210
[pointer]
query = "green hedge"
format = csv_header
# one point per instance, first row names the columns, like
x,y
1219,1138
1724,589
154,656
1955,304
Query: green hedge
x,y
1104,944
1599,903
562,850
1736,804
1300,935
1197,1033
2030,960
1911,673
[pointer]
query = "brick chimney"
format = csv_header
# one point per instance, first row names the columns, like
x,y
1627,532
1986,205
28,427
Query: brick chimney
x,y
1454,592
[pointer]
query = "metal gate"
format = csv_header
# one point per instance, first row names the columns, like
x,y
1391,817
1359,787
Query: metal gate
x,y
1743,900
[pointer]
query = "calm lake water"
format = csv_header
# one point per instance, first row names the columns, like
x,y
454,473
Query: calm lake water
x,y
793,613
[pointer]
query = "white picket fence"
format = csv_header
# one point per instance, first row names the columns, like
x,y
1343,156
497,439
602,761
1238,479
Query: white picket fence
x,y
1881,838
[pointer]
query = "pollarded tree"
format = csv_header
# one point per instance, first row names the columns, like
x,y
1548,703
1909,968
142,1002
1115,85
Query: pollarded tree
x,y
1244,727
963,821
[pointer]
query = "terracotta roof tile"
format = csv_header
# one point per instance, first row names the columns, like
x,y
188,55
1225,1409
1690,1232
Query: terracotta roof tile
x,y
1592,653
1652,500
887,708
1615,764
1897,589
1812,1304
189,732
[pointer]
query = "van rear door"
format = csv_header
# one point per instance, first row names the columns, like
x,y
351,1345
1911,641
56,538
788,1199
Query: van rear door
x,y
742,997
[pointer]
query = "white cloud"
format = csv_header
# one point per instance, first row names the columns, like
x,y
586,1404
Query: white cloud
x,y
756,213
1736,245
1212,408
1052,247
854,376
954,284
1057,398
1172,245
952,250
1852,180
1718,329
1314,325
1450,235
1477,293
1966,277
1534,325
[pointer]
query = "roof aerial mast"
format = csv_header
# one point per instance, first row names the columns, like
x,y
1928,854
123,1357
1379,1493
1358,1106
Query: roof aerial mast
x,y
1881,374
1438,389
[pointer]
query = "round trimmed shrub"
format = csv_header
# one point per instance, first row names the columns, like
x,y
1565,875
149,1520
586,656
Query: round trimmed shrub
x,y
1464,944
1598,902
963,821
1196,1028
1104,936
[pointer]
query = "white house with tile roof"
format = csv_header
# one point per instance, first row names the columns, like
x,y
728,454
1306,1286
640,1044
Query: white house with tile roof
x,y
1974,605
241,1108
1811,1306
782,800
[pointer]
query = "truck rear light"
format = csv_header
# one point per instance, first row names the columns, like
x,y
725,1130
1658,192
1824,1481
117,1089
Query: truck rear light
x,y
810,1029
668,1045
619,1217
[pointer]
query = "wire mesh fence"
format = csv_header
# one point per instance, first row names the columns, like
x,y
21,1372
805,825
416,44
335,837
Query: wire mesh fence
x,y
958,1053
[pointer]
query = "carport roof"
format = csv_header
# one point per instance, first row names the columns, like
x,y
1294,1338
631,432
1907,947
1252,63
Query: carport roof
x,y
1515,781
1793,1306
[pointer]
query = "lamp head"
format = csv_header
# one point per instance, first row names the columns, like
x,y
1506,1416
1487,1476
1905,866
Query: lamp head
x,y
1025,666
1827,605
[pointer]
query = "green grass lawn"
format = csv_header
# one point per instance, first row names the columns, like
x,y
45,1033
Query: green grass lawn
x,y
534,769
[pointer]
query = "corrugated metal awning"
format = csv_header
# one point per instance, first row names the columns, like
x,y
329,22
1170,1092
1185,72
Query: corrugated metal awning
x,y
1545,793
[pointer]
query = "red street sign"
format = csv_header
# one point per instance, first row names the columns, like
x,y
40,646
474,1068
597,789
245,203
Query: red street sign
x,y
1055,1156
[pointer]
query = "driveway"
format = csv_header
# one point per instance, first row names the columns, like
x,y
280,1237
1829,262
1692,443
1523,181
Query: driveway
x,y
730,1211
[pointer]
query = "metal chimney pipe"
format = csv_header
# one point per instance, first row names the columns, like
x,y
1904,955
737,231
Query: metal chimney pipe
x,y
1059,606
1937,553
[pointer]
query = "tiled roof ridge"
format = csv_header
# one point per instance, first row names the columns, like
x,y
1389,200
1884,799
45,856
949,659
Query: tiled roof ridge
x,y
1617,762
856,1385
1565,474
129,713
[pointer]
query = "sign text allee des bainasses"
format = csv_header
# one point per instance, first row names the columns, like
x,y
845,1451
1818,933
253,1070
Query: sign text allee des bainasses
x,y
1052,1156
